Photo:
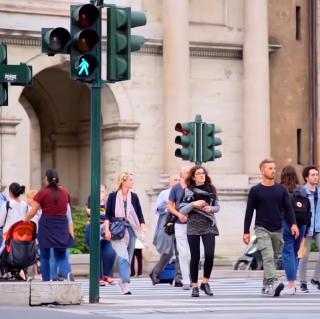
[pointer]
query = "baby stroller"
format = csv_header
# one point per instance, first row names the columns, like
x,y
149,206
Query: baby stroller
x,y
19,252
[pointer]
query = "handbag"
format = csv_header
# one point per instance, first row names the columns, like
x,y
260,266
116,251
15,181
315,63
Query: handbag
x,y
118,228
169,224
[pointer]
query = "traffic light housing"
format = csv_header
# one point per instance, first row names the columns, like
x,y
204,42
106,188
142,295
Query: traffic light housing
x,y
210,141
3,86
85,49
120,42
55,41
186,140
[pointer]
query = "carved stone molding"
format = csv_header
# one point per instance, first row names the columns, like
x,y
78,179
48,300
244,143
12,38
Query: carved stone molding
x,y
151,47
119,131
8,126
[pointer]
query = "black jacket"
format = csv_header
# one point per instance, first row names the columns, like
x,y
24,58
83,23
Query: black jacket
x,y
111,205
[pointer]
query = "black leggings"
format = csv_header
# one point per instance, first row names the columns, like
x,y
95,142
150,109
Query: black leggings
x,y
209,245
138,255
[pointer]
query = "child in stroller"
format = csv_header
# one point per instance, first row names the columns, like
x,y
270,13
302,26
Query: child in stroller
x,y
19,251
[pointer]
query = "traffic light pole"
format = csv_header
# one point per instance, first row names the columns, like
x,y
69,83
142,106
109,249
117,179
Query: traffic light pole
x,y
95,192
95,184
198,140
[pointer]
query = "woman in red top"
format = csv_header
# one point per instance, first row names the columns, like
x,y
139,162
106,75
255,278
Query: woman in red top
x,y
53,229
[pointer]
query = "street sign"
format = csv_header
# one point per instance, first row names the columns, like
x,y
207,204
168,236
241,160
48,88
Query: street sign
x,y
16,74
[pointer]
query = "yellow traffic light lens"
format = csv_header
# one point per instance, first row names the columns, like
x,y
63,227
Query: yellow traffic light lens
x,y
87,40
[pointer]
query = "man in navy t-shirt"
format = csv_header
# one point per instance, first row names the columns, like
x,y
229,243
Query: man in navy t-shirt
x,y
271,203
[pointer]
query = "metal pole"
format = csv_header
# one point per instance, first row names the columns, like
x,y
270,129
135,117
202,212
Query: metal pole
x,y
198,139
95,194
95,183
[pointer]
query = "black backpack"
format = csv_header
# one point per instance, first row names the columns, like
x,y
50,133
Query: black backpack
x,y
301,206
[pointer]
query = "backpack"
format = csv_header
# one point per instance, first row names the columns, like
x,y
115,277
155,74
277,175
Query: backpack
x,y
301,206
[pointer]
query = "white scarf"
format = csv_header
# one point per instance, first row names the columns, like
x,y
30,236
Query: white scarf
x,y
120,246
130,214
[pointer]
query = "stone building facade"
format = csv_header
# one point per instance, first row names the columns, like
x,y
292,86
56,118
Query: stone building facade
x,y
225,59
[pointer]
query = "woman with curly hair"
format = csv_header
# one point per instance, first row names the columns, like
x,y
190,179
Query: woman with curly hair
x,y
200,202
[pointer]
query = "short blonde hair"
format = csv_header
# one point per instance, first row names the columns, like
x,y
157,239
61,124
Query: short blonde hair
x,y
31,193
122,178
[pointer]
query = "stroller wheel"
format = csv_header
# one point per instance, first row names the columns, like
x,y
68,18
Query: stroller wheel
x,y
18,276
241,265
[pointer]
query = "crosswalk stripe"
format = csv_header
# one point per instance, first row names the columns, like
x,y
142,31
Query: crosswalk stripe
x,y
238,295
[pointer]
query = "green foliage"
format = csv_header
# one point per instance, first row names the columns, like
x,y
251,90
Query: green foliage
x,y
79,222
314,247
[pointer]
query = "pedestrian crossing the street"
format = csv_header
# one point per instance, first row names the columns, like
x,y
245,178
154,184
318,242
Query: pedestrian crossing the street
x,y
231,296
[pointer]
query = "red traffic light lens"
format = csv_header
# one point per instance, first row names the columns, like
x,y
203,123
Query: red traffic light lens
x,y
179,128
88,14
87,40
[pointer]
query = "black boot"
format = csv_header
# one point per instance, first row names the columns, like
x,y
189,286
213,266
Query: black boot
x,y
206,289
195,292
154,278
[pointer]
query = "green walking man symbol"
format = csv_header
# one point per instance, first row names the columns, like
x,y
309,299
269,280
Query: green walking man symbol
x,y
84,67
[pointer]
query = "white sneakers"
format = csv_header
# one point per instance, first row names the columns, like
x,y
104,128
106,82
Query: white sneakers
x,y
274,290
289,291
124,286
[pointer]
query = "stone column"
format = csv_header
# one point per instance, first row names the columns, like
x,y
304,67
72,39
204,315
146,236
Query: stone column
x,y
176,74
256,97
66,161
8,152
118,147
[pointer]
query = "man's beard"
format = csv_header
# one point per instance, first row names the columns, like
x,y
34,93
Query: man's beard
x,y
271,178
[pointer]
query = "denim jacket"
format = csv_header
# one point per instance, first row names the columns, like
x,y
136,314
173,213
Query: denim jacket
x,y
315,217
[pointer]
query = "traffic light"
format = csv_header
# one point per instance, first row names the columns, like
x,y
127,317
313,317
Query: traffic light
x,y
85,49
55,40
187,140
120,42
4,85
210,141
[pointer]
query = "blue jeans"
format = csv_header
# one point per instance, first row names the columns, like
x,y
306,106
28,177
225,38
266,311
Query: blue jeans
x,y
124,264
107,254
290,250
59,255
55,271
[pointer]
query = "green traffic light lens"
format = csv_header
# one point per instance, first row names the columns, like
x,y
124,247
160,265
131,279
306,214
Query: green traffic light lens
x,y
88,14
87,40
86,65
58,39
